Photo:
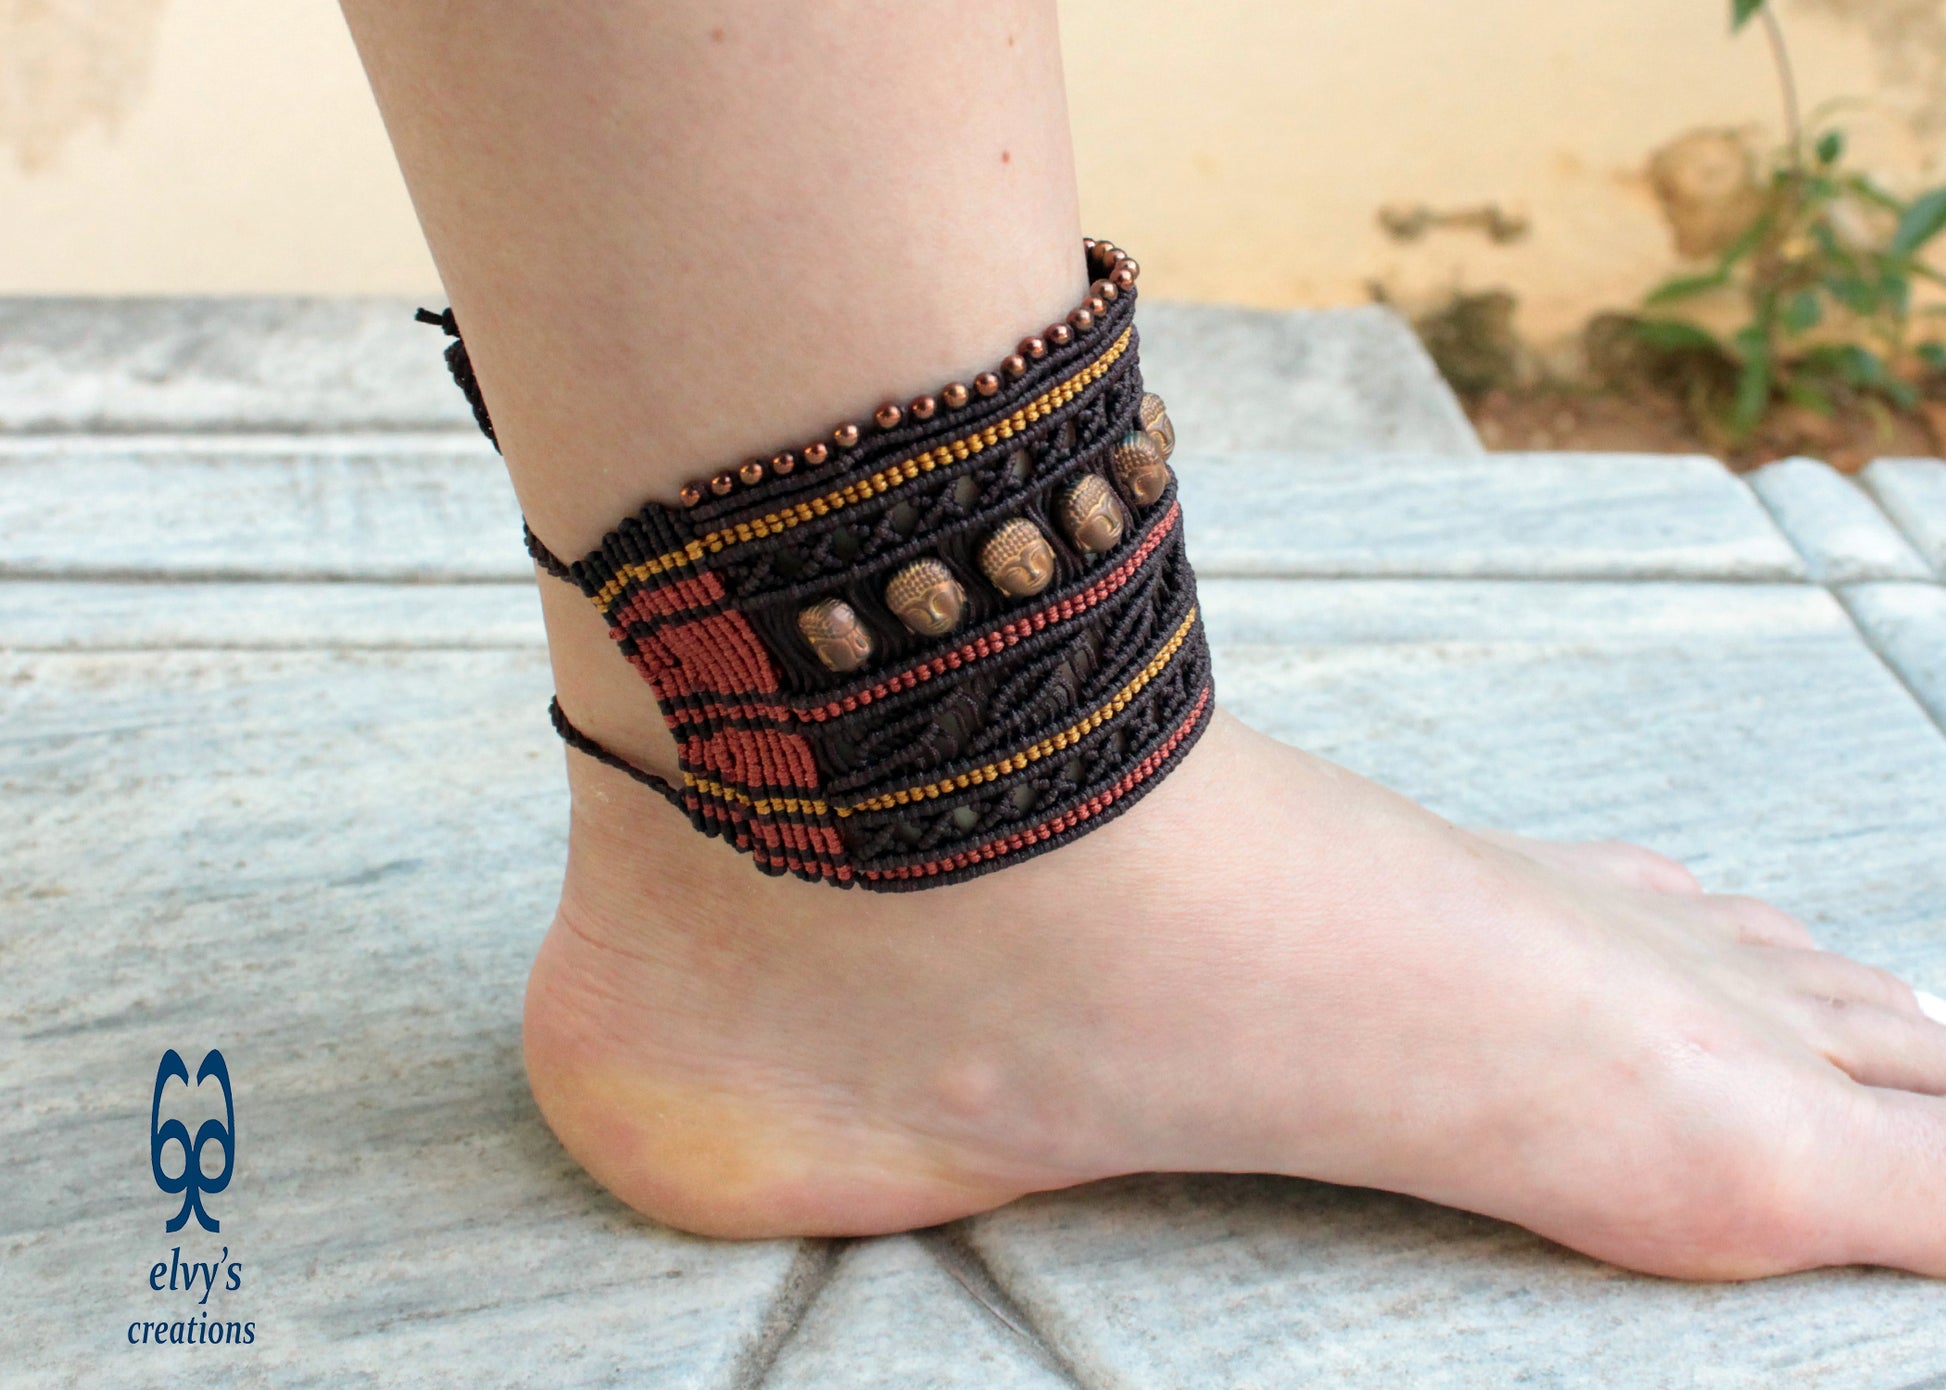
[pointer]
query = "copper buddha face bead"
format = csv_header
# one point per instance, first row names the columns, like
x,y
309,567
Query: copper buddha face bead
x,y
1155,419
1018,559
926,598
836,635
1092,515
1142,466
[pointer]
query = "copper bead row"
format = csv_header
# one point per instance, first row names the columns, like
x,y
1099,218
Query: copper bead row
x,y
1016,558
1118,272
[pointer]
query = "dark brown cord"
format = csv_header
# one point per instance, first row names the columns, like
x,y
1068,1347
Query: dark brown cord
x,y
1040,714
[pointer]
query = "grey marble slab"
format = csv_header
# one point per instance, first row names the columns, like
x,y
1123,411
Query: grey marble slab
x,y
133,615
1913,493
1907,624
334,867
1257,1283
894,1315
1842,535
392,506
1245,379
243,363
403,506
1508,515
1310,381
274,852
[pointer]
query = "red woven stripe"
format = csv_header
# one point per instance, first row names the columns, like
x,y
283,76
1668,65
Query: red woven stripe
x,y
667,600
718,653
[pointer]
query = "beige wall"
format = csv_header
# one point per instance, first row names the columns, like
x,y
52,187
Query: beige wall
x,y
1242,150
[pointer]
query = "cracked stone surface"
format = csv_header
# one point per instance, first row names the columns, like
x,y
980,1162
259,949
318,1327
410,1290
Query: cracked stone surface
x,y
1841,533
1913,493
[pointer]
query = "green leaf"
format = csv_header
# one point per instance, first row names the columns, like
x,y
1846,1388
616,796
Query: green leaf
x,y
1862,370
1831,145
1924,219
1897,290
1932,355
1673,335
1810,397
1753,384
1854,292
1866,188
1742,12
1746,242
1801,312
1685,287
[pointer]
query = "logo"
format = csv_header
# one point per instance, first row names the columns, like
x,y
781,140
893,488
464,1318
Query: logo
x,y
193,1182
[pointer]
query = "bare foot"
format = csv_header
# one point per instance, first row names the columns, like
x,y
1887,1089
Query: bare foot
x,y
1268,965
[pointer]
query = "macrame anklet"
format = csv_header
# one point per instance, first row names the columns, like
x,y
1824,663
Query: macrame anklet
x,y
949,639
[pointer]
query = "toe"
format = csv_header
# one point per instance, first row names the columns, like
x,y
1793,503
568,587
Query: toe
x,y
1876,1046
1829,975
1757,922
1864,1020
1874,1194
1648,869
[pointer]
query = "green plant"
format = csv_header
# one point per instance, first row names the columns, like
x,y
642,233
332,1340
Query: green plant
x,y
1823,279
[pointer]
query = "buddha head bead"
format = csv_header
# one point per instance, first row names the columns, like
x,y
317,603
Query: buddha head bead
x,y
1155,419
836,635
1092,515
1018,559
1142,465
926,598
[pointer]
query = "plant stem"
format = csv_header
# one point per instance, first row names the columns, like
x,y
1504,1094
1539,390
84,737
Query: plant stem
x,y
1780,54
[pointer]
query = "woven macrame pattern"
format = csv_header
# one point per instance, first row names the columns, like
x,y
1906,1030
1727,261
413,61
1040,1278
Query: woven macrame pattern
x,y
1033,720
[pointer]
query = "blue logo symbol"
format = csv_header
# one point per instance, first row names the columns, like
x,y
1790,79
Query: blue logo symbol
x,y
192,1182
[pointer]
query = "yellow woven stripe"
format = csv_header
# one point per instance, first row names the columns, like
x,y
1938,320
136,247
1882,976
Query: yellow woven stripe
x,y
1068,736
882,481
763,806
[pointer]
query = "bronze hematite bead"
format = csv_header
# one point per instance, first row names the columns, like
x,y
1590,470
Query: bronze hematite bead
x,y
1092,515
926,598
922,407
954,395
1097,305
1142,466
845,435
986,383
1059,334
836,635
887,416
1104,289
1082,319
722,483
1018,559
752,472
1155,419
782,464
815,453
691,494
1035,348
1014,365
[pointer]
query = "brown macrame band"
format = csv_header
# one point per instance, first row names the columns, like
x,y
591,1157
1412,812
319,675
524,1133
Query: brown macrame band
x,y
960,635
